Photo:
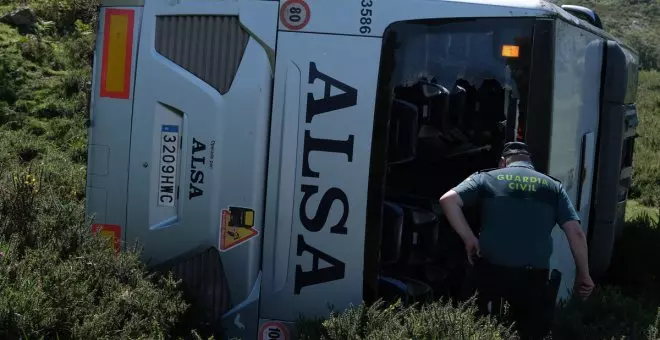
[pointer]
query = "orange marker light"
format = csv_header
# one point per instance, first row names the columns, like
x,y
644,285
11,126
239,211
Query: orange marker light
x,y
117,53
510,51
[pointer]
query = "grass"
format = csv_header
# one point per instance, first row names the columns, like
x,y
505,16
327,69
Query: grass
x,y
56,279
635,21
646,178
636,210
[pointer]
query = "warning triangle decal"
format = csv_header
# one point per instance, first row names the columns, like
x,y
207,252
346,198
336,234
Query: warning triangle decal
x,y
236,227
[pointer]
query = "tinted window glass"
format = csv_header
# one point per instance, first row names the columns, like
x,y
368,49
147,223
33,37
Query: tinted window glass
x,y
468,78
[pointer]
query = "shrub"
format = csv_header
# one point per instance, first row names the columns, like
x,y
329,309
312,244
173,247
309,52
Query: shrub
x,y
65,13
635,266
647,147
635,263
44,74
606,314
13,74
437,320
60,280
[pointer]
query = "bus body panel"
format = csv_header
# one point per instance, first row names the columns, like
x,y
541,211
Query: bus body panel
x,y
200,137
618,126
319,165
111,109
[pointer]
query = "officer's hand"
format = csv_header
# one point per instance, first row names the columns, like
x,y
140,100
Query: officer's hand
x,y
472,249
583,285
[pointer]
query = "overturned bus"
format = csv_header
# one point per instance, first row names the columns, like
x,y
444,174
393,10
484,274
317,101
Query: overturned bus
x,y
284,156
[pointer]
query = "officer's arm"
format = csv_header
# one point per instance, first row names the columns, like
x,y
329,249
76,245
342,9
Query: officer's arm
x,y
452,203
569,221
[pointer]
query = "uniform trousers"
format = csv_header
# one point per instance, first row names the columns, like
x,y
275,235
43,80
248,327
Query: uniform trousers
x,y
529,292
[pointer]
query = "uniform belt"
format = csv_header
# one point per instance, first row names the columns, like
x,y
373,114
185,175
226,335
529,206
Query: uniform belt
x,y
524,270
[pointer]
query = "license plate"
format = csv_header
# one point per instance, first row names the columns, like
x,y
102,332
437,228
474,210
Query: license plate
x,y
169,159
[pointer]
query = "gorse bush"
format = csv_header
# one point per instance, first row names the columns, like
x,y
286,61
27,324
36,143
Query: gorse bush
x,y
437,320
635,265
607,314
57,279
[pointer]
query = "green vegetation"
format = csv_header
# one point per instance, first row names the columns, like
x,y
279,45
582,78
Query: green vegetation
x,y
608,314
635,210
634,21
438,320
57,279
646,179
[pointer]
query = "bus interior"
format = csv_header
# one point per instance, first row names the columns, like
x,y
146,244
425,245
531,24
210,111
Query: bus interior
x,y
456,93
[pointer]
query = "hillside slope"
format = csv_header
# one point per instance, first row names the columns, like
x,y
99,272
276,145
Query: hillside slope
x,y
635,21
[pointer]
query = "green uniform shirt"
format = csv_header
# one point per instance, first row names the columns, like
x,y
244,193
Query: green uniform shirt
x,y
520,207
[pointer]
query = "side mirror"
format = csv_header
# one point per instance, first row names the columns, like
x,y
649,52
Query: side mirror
x,y
404,125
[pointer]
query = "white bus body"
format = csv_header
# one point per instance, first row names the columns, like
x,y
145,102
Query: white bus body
x,y
283,156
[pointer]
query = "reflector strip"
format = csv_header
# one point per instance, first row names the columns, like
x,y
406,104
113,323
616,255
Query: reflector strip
x,y
111,232
117,53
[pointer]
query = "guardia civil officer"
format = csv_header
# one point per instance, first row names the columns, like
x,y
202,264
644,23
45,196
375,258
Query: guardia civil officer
x,y
520,206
